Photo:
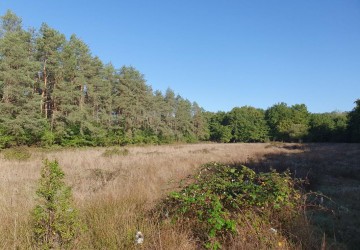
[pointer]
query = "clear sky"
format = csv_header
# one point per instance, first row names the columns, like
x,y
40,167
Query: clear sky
x,y
222,53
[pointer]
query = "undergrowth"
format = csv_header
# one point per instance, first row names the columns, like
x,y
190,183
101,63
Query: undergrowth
x,y
219,201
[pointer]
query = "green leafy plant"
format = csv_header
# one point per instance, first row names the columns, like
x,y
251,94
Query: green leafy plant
x,y
218,194
48,139
54,220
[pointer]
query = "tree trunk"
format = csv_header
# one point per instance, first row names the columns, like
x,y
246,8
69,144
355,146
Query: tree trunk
x,y
44,101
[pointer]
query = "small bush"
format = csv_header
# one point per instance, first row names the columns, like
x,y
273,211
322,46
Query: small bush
x,y
48,139
115,152
54,221
17,154
218,197
5,140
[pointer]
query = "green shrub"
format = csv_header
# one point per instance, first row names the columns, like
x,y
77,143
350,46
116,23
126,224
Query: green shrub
x,y
18,154
77,141
55,222
5,140
115,152
218,194
48,139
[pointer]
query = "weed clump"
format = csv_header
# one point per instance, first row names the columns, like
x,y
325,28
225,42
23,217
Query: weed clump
x,y
115,152
220,200
17,154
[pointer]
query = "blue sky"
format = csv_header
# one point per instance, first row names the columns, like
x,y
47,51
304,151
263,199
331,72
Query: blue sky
x,y
221,54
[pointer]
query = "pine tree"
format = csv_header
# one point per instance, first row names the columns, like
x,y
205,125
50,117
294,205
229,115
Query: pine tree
x,y
75,105
10,22
169,118
49,47
354,123
131,102
54,219
183,120
200,125
19,104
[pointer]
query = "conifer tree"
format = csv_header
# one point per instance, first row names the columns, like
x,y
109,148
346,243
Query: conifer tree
x,y
49,47
54,219
200,125
131,101
183,120
10,22
354,123
73,94
170,110
20,120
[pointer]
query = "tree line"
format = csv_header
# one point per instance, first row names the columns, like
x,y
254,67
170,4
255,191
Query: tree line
x,y
285,123
53,91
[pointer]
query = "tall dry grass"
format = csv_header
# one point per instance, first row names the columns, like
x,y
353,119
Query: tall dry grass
x,y
114,192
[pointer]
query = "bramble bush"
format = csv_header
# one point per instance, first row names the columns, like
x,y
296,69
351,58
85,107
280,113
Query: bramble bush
x,y
218,194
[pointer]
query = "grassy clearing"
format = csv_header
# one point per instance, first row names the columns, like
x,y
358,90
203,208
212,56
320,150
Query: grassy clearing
x,y
114,194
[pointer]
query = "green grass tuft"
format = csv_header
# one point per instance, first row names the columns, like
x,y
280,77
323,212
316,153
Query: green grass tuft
x,y
16,154
115,152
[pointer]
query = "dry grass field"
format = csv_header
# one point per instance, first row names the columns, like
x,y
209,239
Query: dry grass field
x,y
112,191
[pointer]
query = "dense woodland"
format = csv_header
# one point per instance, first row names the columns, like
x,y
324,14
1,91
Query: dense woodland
x,y
54,92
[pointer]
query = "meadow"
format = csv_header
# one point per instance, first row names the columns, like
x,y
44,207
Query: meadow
x,y
114,188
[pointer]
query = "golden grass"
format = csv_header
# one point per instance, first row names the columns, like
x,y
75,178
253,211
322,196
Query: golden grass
x,y
113,193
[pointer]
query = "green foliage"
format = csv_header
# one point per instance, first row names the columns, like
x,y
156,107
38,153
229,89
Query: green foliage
x,y
77,141
328,127
47,139
5,139
144,136
248,125
288,123
201,130
354,123
219,193
220,133
10,22
18,154
54,220
50,83
20,116
245,124
220,130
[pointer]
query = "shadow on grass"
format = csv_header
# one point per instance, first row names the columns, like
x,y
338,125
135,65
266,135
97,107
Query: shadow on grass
x,y
330,169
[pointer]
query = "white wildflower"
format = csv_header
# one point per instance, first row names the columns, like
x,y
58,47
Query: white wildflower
x,y
273,230
139,237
